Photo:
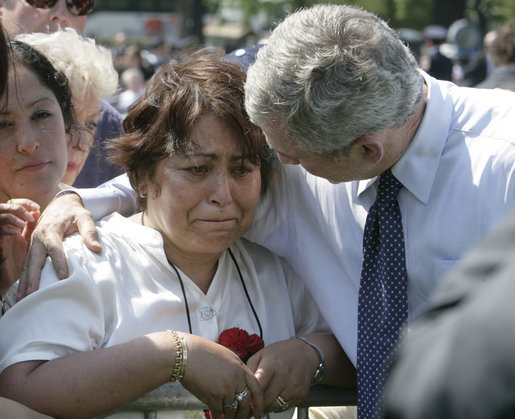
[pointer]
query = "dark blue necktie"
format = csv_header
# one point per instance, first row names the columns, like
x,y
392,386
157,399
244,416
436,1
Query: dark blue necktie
x,y
383,301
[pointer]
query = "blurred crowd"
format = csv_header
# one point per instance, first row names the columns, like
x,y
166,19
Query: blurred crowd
x,y
465,56
460,53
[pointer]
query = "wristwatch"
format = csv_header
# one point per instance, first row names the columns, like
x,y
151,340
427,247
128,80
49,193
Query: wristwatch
x,y
319,372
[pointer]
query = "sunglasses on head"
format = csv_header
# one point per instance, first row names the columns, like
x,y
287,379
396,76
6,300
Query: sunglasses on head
x,y
75,7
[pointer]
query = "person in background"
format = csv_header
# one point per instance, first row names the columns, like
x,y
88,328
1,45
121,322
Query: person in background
x,y
10,408
502,53
199,167
4,61
432,60
37,113
473,66
132,59
133,82
348,110
92,77
29,16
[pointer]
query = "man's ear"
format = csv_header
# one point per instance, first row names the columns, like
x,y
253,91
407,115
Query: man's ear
x,y
369,148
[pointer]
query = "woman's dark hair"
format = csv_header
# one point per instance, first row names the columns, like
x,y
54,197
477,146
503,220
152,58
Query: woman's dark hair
x,y
159,123
4,60
4,67
24,55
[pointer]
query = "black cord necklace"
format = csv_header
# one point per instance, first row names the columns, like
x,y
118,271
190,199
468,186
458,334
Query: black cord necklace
x,y
186,298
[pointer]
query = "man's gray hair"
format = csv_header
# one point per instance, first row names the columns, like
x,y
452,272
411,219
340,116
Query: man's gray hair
x,y
330,74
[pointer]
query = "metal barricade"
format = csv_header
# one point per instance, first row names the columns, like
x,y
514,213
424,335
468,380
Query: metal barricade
x,y
173,396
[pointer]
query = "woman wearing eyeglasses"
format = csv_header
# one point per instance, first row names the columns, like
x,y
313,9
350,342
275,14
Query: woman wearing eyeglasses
x,y
27,16
92,77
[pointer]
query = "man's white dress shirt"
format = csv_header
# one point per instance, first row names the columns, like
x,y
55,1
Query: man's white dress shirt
x,y
458,178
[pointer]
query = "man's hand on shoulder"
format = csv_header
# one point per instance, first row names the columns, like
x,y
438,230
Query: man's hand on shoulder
x,y
65,215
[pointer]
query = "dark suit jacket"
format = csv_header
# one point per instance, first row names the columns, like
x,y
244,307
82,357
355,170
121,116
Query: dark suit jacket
x,y
441,66
459,359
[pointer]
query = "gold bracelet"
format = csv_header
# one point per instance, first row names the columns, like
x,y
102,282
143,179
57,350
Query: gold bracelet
x,y
181,356
184,355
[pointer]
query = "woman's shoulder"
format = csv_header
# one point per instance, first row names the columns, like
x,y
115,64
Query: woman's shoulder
x,y
119,236
254,250
264,261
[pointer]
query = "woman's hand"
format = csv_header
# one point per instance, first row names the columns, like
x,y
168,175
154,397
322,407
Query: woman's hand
x,y
284,369
18,218
215,375
62,217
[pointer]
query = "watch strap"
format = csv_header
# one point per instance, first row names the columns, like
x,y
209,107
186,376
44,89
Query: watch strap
x,y
319,372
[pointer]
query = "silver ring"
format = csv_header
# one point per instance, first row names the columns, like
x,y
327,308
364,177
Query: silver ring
x,y
232,406
240,396
283,405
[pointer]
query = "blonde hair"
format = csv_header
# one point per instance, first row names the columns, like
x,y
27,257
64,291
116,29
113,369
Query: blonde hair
x,y
88,67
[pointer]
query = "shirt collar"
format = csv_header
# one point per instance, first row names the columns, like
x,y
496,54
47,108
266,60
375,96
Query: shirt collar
x,y
417,167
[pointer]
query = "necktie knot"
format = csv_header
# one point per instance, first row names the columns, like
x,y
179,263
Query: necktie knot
x,y
388,187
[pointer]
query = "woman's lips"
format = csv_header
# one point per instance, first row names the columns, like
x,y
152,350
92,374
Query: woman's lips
x,y
33,166
72,167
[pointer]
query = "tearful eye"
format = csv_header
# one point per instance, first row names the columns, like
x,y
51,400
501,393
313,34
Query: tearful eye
x,y
5,124
40,115
241,170
198,170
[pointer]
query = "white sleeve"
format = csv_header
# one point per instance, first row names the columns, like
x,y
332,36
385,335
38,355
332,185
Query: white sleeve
x,y
306,314
115,195
61,318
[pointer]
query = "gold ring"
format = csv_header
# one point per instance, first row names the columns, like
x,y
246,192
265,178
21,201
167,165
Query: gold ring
x,y
281,403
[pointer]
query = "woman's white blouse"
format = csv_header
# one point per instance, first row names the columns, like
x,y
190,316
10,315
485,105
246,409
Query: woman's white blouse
x,y
130,290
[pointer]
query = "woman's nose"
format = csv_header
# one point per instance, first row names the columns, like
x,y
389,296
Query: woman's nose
x,y
81,140
27,141
221,193
60,13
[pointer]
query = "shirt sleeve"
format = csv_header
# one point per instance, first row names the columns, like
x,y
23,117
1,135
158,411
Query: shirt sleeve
x,y
61,318
306,315
115,195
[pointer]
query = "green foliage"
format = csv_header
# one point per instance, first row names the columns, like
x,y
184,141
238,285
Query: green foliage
x,y
493,12
398,13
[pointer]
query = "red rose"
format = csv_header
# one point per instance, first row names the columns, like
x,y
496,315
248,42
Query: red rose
x,y
239,341
255,344
235,339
